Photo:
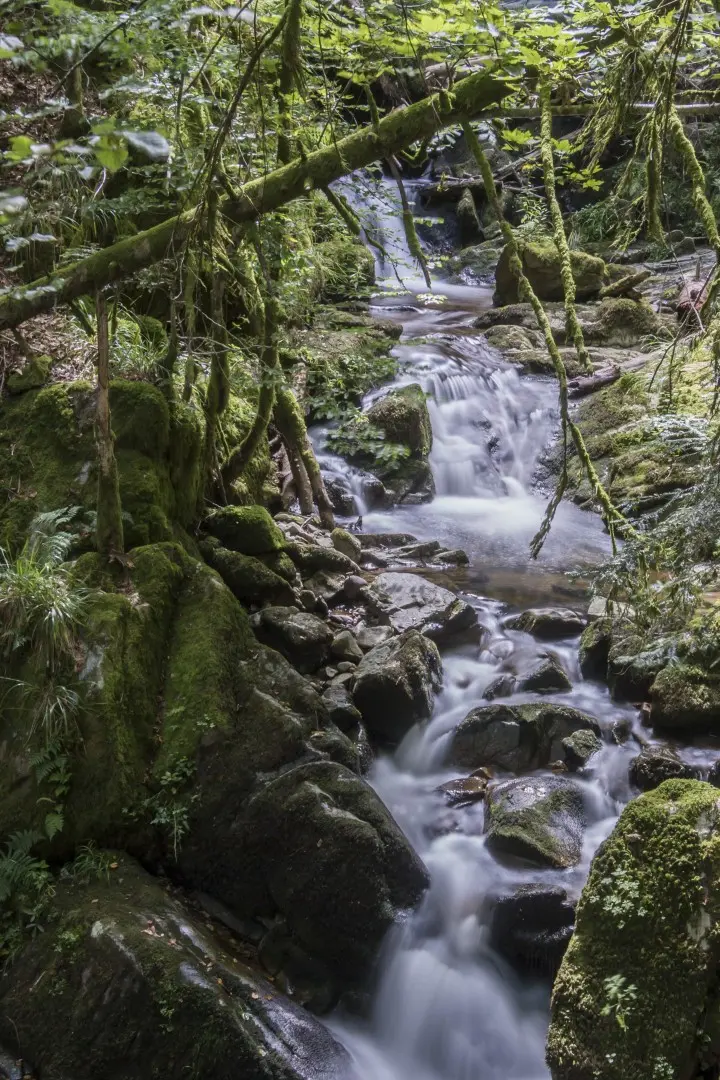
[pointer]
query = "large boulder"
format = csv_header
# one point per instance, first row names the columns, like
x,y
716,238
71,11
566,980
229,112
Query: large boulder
x,y
395,683
549,624
314,843
685,698
302,638
546,677
538,819
409,602
516,738
532,926
127,981
403,418
655,764
542,267
247,529
639,978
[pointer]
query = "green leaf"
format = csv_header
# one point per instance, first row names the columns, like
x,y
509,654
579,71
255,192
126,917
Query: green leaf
x,y
20,148
111,151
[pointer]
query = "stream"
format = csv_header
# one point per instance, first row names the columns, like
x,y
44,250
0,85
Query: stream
x,y
445,1005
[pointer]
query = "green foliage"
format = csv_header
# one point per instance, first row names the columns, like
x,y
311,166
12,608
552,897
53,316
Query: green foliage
x,y
26,889
620,999
91,864
169,807
333,392
358,439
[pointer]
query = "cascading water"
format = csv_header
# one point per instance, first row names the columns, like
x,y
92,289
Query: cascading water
x,y
446,1006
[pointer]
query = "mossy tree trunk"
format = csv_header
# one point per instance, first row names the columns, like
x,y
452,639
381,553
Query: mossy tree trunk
x,y
396,131
291,422
109,527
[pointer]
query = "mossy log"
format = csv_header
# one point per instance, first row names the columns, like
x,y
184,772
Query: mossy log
x,y
400,129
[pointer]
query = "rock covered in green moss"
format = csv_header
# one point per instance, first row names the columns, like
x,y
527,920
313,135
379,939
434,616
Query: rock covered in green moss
x,y
403,417
345,269
632,992
685,698
247,529
35,373
249,579
346,543
126,977
548,624
595,644
541,264
539,819
477,262
579,747
516,737
395,683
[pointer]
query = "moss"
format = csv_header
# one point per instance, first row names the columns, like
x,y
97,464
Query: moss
x,y
595,644
345,269
247,529
211,639
403,417
534,832
646,924
35,373
542,267
686,698
249,579
185,461
152,332
146,497
140,418
346,543
258,483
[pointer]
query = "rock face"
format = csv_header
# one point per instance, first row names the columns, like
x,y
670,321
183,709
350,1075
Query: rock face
x,y
408,602
539,819
516,737
394,685
532,927
541,263
579,747
128,982
303,639
469,226
637,983
548,624
655,764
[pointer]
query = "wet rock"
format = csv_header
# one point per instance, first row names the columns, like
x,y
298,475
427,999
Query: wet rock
x,y
579,747
644,930
655,764
621,731
127,981
34,374
502,686
403,417
548,624
394,685
477,262
685,698
516,737
541,264
422,550
386,540
344,647
328,586
513,338
374,492
289,964
452,557
532,927
407,601
341,497
546,677
464,791
353,586
368,637
346,543
346,665
301,638
339,704
595,644
539,819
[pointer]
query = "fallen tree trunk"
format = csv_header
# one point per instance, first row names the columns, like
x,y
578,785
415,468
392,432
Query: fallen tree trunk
x,y
588,384
394,132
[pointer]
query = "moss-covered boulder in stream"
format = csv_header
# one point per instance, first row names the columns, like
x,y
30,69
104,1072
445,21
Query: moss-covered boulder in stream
x,y
127,981
538,819
541,263
640,974
403,419
685,698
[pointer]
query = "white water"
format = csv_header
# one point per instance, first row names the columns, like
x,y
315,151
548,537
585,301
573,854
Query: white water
x,y
445,1006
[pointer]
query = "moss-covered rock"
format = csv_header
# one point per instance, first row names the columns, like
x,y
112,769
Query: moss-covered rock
x,y
345,270
594,648
250,580
247,529
475,263
655,764
395,683
403,417
641,970
541,263
35,373
539,819
127,981
48,456
346,543
301,637
685,698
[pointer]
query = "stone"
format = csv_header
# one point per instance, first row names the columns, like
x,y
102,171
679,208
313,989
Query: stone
x,y
368,637
464,791
346,543
548,676
685,698
642,951
247,529
452,557
308,600
342,499
301,638
353,586
34,374
340,707
595,642
375,495
128,980
403,417
407,601
395,683
311,559
541,264
344,666
250,580
516,738
344,647
655,764
513,338
632,668
579,747
539,819
502,686
532,926
548,624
